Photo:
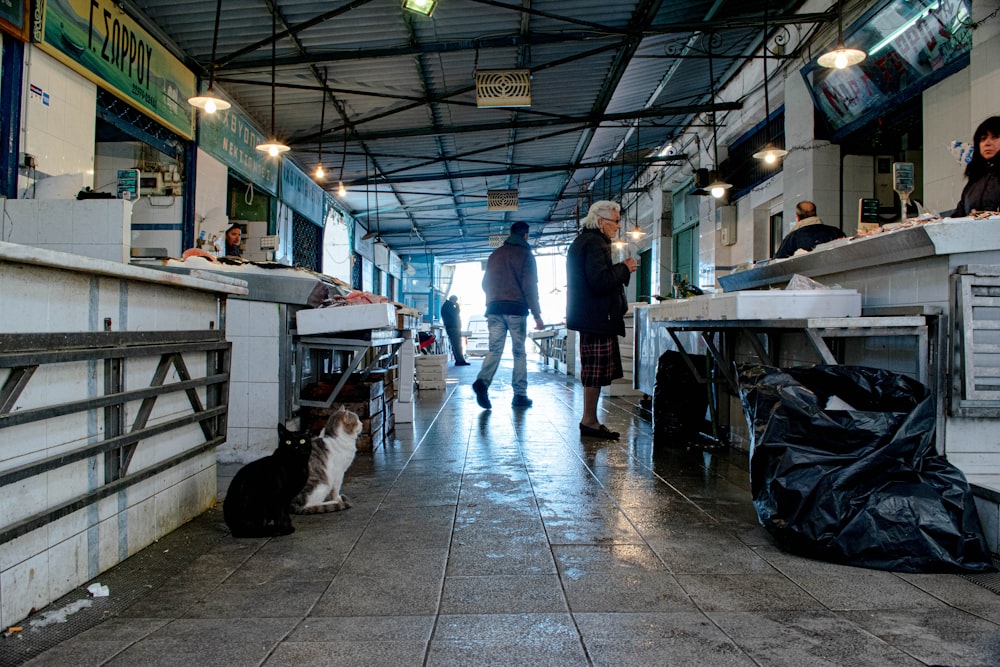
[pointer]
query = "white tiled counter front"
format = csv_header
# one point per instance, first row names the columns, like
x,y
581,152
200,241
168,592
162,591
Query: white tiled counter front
x,y
47,551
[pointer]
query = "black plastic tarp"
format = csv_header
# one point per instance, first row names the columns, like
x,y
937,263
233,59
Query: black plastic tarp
x,y
679,401
843,468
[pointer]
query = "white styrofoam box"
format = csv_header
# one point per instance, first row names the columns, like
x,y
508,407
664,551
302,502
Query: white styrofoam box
x,y
431,374
432,385
403,411
761,305
345,318
431,360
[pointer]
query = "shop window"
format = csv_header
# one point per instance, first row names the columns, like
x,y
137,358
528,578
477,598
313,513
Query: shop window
x,y
307,244
742,169
777,232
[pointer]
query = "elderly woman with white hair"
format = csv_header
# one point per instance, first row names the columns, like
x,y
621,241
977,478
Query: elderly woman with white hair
x,y
595,307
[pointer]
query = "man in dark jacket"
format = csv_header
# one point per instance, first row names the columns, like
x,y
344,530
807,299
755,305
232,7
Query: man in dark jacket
x,y
595,307
808,232
452,318
511,286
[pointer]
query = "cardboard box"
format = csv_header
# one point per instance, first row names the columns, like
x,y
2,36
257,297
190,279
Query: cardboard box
x,y
345,318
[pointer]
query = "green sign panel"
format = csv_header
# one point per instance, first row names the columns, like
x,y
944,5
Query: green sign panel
x,y
128,184
228,136
12,16
101,42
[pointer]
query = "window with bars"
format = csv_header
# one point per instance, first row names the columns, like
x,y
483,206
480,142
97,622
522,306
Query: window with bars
x,y
741,168
307,244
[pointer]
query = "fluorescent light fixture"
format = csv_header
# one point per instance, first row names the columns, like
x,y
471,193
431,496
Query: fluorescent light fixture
x,y
422,7
933,7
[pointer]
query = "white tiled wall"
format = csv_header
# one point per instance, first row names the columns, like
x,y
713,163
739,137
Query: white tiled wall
x,y
97,228
44,564
57,126
253,327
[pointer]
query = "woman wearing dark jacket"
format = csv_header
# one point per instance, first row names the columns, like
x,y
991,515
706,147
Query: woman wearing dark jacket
x,y
595,307
982,192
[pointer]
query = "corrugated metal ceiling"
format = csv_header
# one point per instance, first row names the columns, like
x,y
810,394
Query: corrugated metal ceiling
x,y
401,98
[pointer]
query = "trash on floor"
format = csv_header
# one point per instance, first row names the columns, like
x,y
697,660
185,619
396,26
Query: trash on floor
x,y
856,480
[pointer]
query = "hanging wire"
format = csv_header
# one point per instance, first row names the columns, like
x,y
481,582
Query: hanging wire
x,y
322,122
343,160
274,55
215,41
715,124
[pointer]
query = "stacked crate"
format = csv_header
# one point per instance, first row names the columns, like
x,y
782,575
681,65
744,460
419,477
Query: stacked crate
x,y
432,370
365,398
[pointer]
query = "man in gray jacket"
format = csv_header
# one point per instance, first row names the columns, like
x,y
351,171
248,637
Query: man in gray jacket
x,y
511,286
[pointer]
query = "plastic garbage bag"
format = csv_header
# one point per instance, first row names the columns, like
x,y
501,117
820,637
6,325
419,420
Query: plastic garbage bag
x,y
859,482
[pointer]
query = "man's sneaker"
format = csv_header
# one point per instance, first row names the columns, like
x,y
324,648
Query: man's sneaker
x,y
481,397
521,402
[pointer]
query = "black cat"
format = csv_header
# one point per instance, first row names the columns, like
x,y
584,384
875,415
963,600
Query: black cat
x,y
259,497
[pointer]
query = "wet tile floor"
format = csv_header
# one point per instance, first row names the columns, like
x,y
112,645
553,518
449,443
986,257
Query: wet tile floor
x,y
501,538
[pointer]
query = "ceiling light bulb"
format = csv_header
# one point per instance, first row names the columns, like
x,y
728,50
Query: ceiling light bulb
x,y
718,191
319,171
208,102
273,148
769,158
341,190
841,58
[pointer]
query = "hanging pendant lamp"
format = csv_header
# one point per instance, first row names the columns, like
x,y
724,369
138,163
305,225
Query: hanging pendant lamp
x,y
273,147
716,186
770,153
320,174
840,57
210,102
636,232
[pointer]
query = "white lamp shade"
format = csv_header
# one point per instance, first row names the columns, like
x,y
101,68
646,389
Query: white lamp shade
x,y
273,148
841,57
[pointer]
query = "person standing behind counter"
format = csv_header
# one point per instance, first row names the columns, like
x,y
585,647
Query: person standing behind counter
x,y
982,192
229,244
808,232
595,307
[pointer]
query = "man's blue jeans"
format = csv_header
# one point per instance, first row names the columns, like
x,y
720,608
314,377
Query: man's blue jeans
x,y
499,326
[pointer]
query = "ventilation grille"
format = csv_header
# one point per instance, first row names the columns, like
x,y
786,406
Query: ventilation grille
x,y
496,240
503,88
501,200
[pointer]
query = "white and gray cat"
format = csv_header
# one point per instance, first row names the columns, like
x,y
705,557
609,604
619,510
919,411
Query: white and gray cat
x,y
332,454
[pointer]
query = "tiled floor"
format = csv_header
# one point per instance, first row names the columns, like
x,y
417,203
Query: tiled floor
x,y
501,538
